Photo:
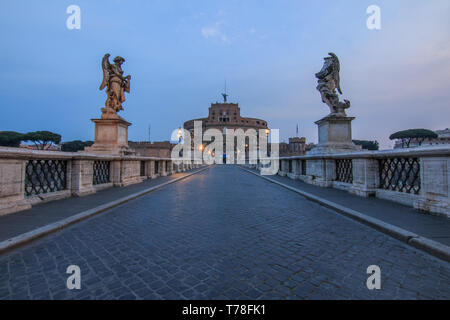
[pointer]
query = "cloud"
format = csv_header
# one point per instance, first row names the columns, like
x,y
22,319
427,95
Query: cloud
x,y
209,32
215,33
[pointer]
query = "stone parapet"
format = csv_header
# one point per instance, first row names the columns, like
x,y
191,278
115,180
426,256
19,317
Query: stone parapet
x,y
418,177
29,177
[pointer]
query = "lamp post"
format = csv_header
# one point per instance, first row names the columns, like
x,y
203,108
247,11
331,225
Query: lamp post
x,y
180,134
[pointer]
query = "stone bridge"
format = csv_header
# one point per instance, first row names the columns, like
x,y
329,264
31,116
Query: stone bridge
x,y
147,228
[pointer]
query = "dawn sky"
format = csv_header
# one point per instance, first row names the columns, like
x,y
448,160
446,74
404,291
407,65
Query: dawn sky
x,y
179,54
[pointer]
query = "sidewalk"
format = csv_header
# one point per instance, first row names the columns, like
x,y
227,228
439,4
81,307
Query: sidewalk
x,y
436,228
41,215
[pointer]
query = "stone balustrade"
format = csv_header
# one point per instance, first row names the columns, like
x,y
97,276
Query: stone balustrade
x,y
417,177
28,177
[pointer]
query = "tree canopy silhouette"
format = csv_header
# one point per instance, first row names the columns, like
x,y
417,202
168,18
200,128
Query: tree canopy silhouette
x,y
10,138
406,136
42,139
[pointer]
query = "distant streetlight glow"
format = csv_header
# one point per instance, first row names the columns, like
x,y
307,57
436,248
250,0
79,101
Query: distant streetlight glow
x,y
180,134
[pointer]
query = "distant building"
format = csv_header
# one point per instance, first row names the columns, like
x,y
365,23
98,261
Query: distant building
x,y
40,147
296,147
156,149
443,138
227,116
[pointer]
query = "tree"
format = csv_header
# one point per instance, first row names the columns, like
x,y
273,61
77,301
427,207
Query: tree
x,y
406,136
10,138
42,139
368,145
76,145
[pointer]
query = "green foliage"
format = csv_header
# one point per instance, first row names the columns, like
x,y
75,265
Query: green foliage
x,y
368,145
10,138
42,139
406,136
76,145
413,133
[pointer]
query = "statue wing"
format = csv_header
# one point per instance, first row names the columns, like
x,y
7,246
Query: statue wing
x,y
337,80
106,66
336,70
127,84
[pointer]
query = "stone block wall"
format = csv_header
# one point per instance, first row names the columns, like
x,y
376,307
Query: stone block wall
x,y
365,174
79,178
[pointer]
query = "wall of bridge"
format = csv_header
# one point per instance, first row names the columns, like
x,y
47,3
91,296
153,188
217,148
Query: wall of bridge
x,y
29,177
417,177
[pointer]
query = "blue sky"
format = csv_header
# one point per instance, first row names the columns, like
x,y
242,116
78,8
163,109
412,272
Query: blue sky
x,y
180,52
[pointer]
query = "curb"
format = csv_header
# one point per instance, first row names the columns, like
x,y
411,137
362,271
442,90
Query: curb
x,y
58,225
432,247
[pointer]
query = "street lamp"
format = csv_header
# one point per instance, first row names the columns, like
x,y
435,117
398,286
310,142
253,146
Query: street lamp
x,y
180,134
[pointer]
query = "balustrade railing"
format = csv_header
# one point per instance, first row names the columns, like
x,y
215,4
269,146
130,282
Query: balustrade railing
x,y
44,176
344,170
101,172
142,171
400,174
303,163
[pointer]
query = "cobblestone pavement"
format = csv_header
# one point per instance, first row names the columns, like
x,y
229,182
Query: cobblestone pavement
x,y
221,234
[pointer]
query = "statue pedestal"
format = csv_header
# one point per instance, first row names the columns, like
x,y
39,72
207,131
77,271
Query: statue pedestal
x,y
111,137
335,135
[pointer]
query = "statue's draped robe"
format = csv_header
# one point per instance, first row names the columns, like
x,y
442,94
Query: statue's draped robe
x,y
116,88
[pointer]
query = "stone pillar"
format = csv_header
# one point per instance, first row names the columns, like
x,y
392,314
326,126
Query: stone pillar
x,y
365,177
111,137
302,167
130,172
283,168
115,173
81,179
152,174
435,189
148,169
330,172
12,186
316,169
335,135
163,171
169,167
295,174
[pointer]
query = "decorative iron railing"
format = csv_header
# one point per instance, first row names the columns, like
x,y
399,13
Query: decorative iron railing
x,y
303,163
344,170
101,172
400,174
45,176
142,168
156,167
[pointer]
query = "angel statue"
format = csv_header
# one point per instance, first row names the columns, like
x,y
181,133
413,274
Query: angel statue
x,y
328,82
116,84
